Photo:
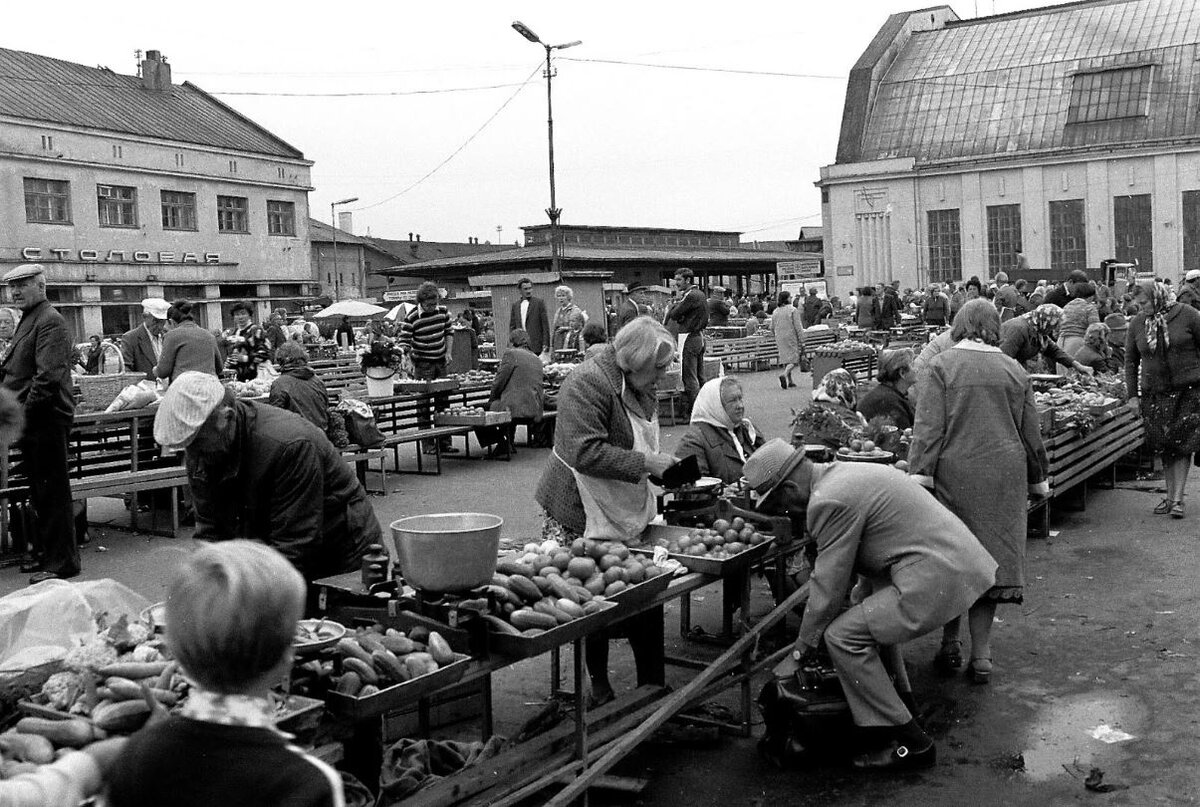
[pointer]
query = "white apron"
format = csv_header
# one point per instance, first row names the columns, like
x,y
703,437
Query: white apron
x,y
615,509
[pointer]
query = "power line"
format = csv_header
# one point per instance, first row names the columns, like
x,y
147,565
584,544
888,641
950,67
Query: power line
x,y
701,69
365,94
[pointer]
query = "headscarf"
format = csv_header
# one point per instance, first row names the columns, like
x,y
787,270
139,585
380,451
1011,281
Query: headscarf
x,y
1097,338
1045,320
837,387
1161,300
709,409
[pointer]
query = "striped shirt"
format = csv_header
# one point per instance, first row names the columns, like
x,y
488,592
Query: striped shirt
x,y
426,333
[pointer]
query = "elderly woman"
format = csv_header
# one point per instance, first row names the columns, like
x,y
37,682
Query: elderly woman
x,y
1078,314
561,326
1033,334
1096,352
831,420
721,437
606,444
1162,360
8,326
787,324
187,346
889,399
976,438
298,389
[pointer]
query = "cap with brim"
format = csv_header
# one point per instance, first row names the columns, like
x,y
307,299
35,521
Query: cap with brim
x,y
23,271
1192,274
156,307
188,402
767,468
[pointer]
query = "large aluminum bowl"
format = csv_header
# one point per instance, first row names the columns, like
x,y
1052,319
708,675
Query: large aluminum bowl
x,y
447,551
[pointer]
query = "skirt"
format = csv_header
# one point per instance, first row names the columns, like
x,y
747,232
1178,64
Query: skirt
x,y
1173,421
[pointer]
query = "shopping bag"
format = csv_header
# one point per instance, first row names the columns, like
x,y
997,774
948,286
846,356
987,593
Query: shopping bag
x,y
360,423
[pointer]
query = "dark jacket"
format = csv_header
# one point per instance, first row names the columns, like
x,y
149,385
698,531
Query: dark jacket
x,y
1058,296
713,448
1019,340
187,346
287,486
936,310
348,330
887,401
537,323
868,312
1089,357
138,352
518,384
890,308
1178,367
810,311
1189,294
690,314
37,366
718,311
627,312
299,390
592,435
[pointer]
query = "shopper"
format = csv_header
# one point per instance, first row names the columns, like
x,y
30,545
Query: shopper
x,y
889,398
977,444
247,343
564,315
426,333
594,339
298,389
1078,315
812,306
142,346
686,320
718,307
1035,334
187,346
1096,352
720,437
517,388
787,326
868,311
8,327
343,334
832,418
1162,374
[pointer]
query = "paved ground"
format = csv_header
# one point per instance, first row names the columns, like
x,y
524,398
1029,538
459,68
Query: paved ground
x,y
1107,636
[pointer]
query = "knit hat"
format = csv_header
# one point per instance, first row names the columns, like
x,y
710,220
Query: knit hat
x,y
189,401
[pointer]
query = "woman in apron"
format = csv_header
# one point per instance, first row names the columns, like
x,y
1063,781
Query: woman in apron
x,y
595,485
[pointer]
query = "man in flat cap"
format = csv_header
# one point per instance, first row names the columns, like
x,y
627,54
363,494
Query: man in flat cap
x,y
261,472
923,565
142,346
37,367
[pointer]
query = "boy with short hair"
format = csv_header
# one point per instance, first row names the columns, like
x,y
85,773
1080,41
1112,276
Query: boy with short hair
x,y
231,620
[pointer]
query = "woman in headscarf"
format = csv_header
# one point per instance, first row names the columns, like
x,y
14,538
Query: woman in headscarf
x,y
1096,352
298,388
561,326
889,399
1035,334
1162,359
721,437
831,419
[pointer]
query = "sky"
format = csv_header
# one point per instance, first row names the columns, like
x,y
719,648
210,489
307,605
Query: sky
x,y
699,115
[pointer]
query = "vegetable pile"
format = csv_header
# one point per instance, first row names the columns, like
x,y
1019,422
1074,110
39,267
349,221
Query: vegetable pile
x,y
374,659
723,540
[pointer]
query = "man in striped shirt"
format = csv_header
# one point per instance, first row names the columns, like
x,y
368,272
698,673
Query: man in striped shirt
x,y
426,332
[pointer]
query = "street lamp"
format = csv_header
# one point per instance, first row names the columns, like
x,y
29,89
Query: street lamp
x,y
553,211
333,219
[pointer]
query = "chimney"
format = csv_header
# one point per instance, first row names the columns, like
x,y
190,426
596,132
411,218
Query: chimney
x,y
418,238
156,73
346,221
410,236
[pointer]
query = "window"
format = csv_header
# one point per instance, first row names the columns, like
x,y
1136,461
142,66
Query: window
x,y
1191,230
178,210
1109,94
232,214
47,201
945,246
233,166
1132,231
1068,236
118,152
179,159
117,205
1003,237
47,142
282,172
281,218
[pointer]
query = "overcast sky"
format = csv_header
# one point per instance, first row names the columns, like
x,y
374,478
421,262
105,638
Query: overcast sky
x,y
635,145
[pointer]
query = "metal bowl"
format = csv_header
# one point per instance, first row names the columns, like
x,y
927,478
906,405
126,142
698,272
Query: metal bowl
x,y
447,551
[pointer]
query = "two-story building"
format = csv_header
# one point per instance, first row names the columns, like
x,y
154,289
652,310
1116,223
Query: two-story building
x,y
127,187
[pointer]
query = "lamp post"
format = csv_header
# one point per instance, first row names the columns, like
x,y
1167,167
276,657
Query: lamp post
x,y
333,220
553,211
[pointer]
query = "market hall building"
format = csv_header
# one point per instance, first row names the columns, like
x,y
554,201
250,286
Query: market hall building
x,y
1066,134
128,187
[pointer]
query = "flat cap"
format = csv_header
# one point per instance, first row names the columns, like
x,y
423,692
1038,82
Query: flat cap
x,y
23,271
188,402
156,307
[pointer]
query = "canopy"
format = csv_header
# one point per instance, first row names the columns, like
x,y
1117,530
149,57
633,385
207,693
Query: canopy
x,y
399,312
350,308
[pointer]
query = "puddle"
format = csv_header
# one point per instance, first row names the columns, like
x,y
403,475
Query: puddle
x,y
1062,732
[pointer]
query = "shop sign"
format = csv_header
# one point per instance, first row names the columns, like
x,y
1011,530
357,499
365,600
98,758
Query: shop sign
x,y
408,296
117,256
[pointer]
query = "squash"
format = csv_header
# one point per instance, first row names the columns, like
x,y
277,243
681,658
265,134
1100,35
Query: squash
x,y
74,733
27,747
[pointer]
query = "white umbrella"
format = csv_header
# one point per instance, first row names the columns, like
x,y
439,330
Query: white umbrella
x,y
350,308
399,312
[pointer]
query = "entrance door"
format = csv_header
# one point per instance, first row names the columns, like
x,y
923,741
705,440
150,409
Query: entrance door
x,y
1132,231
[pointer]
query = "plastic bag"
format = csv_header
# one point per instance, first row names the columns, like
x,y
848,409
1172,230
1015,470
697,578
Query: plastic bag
x,y
135,396
267,372
41,623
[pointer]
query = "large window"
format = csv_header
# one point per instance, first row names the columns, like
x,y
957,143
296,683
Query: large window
x,y
233,214
1003,237
1132,231
178,210
281,218
945,246
117,205
1109,94
1068,235
47,201
1191,230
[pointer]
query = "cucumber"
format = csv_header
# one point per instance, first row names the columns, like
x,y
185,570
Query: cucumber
x,y
526,619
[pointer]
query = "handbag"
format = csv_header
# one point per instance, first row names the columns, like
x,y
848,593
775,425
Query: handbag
x,y
807,719
360,423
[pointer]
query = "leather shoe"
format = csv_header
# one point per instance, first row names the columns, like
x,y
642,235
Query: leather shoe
x,y
897,756
48,575
31,565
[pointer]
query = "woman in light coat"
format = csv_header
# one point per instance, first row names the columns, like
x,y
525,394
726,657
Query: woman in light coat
x,y
787,322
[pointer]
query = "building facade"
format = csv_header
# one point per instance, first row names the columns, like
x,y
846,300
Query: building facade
x,y
127,187
1053,138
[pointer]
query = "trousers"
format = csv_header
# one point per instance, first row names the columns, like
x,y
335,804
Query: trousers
x,y
44,463
866,669
693,369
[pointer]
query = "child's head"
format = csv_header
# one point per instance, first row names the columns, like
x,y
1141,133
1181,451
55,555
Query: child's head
x,y
577,321
231,614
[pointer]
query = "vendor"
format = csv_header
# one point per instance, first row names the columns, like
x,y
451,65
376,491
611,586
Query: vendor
x,y
924,568
516,389
889,399
1096,352
595,483
343,334
1036,333
259,472
832,419
721,437
298,389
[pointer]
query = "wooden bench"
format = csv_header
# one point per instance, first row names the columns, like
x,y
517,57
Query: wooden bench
x,y
405,419
343,377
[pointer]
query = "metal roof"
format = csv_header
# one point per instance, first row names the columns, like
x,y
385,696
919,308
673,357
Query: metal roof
x,y
39,88
996,86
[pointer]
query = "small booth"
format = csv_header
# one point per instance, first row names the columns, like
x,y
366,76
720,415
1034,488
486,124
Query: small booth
x,y
588,286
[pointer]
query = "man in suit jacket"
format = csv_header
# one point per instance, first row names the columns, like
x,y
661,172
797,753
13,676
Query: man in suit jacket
x,y
529,314
924,565
142,347
517,388
37,368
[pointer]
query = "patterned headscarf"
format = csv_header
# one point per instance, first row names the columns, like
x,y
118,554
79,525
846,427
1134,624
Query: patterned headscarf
x,y
1045,320
1097,338
1156,321
837,387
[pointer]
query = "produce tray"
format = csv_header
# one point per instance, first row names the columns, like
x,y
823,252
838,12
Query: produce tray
x,y
398,695
296,707
408,385
643,592
716,567
520,647
486,419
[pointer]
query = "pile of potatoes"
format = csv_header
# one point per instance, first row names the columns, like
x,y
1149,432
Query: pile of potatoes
x,y
375,658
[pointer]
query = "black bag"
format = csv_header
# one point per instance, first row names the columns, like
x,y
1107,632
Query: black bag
x,y
807,720
362,430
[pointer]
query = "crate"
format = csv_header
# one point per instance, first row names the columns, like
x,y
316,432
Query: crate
x,y
860,363
98,391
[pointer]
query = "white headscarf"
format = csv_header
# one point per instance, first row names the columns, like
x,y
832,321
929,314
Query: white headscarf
x,y
709,409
